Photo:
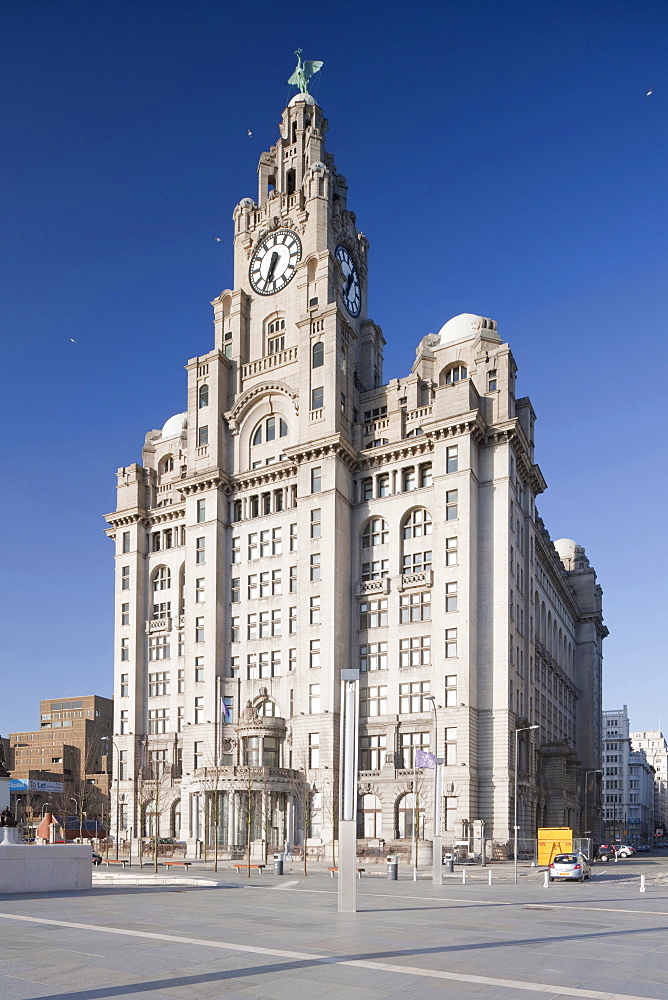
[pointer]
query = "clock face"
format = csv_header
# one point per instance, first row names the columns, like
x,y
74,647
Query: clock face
x,y
352,294
275,261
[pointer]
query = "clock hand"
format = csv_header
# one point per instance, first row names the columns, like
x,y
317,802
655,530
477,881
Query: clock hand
x,y
272,265
351,278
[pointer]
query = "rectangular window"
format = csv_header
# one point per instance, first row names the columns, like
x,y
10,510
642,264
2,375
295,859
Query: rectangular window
x,y
235,662
293,536
264,543
158,647
408,480
411,697
313,699
491,380
451,745
252,545
162,610
228,712
317,398
198,754
415,652
292,621
125,578
276,541
199,711
125,649
426,475
123,765
316,523
125,547
199,669
415,607
314,650
264,625
383,485
373,700
372,752
235,590
416,562
235,629
366,489
316,479
451,505
314,750
265,584
158,684
199,590
251,627
408,744
125,686
276,663
202,437
200,550
292,661
315,611
450,642
125,614
236,549
124,722
276,587
376,570
276,344
315,566
451,458
181,681
450,551
201,510
155,541
199,629
158,719
293,580
373,656
450,690
451,597
252,586
373,613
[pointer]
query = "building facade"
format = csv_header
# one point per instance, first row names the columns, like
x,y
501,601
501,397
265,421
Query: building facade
x,y
653,744
629,784
302,516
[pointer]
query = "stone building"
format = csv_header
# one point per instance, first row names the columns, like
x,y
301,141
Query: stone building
x,y
653,744
302,516
629,783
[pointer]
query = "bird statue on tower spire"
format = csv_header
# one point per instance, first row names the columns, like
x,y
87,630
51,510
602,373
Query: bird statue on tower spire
x,y
304,72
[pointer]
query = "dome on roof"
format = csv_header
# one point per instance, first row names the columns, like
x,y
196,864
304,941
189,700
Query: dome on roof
x,y
175,425
301,99
464,326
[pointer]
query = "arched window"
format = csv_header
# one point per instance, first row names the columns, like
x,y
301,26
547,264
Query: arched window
x,y
175,820
167,464
162,578
269,429
410,813
318,354
203,396
369,817
456,373
268,709
150,820
276,336
417,523
376,532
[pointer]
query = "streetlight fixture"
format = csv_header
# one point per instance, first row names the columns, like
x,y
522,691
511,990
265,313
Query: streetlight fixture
x,y
598,770
44,807
437,843
523,729
109,739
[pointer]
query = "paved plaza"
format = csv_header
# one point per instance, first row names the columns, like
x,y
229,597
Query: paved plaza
x,y
282,938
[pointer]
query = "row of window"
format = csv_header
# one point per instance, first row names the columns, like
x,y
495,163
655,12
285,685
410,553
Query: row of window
x,y
373,749
405,480
373,612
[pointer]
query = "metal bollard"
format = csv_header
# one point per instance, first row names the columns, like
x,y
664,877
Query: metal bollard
x,y
463,876
642,883
546,883
489,877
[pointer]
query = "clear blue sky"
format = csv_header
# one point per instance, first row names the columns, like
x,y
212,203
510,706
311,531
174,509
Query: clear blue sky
x,y
502,159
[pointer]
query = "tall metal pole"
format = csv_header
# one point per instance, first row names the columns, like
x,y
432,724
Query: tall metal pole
x,y
347,890
524,729
586,796
109,739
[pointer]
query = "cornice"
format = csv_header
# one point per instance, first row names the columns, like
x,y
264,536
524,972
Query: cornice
x,y
258,479
336,446
125,519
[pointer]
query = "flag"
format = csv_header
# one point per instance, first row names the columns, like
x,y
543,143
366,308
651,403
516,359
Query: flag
x,y
227,710
424,759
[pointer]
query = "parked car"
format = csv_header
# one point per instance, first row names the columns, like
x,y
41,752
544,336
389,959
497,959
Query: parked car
x,y
643,848
606,852
569,867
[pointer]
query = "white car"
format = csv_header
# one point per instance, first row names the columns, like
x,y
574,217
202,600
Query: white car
x,y
625,850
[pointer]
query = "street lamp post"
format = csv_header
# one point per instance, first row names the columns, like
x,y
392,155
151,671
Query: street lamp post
x,y
524,729
598,770
437,843
109,739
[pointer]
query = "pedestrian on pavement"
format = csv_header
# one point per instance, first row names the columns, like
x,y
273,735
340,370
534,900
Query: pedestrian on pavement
x,y
286,852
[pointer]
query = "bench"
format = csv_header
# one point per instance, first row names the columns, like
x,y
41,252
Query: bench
x,y
335,871
243,867
170,864
116,861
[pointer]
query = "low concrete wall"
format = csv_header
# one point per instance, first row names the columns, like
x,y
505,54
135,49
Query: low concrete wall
x,y
49,868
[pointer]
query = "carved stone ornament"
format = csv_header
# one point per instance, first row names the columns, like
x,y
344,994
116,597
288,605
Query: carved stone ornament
x,y
250,714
